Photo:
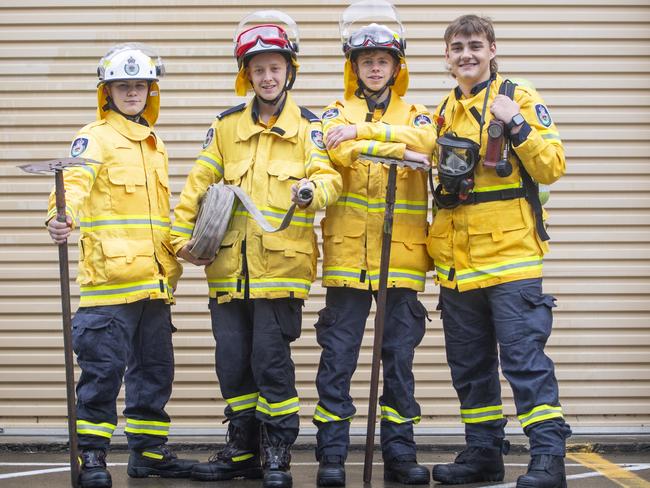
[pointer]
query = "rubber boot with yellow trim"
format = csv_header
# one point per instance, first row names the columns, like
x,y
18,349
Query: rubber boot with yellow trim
x,y
93,472
544,471
159,461
474,464
238,459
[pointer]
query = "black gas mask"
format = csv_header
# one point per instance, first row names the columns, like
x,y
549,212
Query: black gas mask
x,y
456,159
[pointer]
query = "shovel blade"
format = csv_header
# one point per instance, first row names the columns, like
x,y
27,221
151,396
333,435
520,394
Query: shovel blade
x,y
54,165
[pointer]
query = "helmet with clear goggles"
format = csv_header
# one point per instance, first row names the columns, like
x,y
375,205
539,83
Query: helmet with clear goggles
x,y
130,61
374,36
372,24
261,32
265,31
385,32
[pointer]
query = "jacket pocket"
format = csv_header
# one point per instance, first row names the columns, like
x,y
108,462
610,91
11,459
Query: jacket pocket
x,y
229,259
499,234
163,191
344,244
127,189
86,269
408,247
440,238
288,258
282,175
127,261
234,171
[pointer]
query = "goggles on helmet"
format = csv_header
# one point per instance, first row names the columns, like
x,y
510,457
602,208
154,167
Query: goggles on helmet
x,y
374,36
267,33
456,159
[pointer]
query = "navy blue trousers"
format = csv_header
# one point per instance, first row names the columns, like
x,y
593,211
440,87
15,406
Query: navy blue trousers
x,y
132,342
508,323
253,355
339,332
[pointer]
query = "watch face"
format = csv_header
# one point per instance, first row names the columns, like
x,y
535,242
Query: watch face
x,y
518,120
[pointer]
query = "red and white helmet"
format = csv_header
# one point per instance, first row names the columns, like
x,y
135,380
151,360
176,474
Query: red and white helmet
x,y
265,31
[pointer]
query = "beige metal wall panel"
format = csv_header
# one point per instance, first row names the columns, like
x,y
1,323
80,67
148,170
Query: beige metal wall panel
x,y
589,59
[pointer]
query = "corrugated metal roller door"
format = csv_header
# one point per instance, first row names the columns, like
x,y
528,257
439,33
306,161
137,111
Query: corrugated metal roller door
x,y
589,60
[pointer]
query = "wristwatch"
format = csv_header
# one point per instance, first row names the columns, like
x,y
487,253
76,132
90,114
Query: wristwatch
x,y
516,121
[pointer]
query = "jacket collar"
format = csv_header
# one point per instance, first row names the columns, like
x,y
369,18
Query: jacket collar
x,y
130,130
356,108
286,125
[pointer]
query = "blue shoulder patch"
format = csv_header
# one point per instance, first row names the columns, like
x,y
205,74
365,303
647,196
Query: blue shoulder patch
x,y
208,137
317,139
421,120
542,115
331,113
78,146
232,110
309,115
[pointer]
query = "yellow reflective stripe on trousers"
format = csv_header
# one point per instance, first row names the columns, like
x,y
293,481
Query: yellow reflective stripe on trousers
x,y
392,415
482,414
503,268
324,416
102,429
539,414
150,427
243,402
292,405
123,289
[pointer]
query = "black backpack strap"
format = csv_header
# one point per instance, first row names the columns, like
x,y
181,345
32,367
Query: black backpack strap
x,y
507,88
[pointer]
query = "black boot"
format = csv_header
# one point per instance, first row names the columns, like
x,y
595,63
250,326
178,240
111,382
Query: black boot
x,y
473,465
238,459
158,461
331,471
406,470
93,472
276,461
544,471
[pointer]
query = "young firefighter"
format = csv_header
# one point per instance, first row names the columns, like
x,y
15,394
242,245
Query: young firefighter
x,y
127,271
376,78
258,281
487,242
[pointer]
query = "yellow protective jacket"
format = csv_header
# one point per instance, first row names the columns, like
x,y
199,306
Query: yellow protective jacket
x,y
353,227
122,209
485,244
265,162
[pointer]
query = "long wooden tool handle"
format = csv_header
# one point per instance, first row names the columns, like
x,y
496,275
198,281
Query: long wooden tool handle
x,y
380,318
67,332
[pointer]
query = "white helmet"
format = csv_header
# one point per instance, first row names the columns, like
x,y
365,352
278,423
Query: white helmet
x,y
130,61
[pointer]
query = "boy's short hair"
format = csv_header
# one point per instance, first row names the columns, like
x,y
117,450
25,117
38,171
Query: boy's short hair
x,y
469,25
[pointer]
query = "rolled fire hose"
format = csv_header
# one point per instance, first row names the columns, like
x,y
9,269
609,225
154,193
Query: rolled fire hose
x,y
217,206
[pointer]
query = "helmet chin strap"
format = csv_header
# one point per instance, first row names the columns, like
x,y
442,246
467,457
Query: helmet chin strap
x,y
364,92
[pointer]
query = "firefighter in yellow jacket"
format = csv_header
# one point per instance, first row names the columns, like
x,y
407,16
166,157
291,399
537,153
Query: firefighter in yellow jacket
x,y
376,77
127,270
487,241
259,280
